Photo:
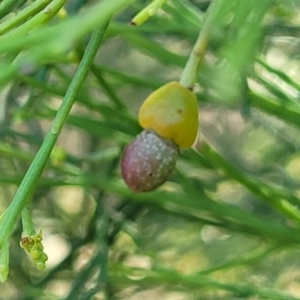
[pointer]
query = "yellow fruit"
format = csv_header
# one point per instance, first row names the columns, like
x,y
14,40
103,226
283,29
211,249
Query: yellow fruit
x,y
172,112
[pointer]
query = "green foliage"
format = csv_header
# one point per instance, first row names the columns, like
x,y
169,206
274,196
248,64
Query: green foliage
x,y
227,223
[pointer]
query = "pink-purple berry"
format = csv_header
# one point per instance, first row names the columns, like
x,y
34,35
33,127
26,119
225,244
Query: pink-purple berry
x,y
148,161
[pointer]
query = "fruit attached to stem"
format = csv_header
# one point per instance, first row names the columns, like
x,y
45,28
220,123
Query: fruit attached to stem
x,y
172,112
148,161
169,117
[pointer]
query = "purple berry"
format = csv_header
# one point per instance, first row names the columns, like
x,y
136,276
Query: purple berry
x,y
148,161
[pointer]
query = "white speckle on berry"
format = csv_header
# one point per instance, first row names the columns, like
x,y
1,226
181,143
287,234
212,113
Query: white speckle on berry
x,y
148,161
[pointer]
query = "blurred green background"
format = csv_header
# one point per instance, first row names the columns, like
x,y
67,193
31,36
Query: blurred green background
x,y
227,223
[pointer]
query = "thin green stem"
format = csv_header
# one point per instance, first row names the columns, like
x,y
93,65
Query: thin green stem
x,y
20,3
45,15
283,76
35,170
28,227
248,259
4,261
61,36
102,242
10,70
101,258
23,15
167,276
6,6
280,199
271,106
190,72
147,12
41,76
106,87
274,88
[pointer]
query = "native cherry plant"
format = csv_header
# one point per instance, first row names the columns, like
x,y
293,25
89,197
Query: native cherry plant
x,y
169,117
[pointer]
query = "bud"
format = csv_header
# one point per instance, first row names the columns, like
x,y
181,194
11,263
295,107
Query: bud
x,y
148,161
